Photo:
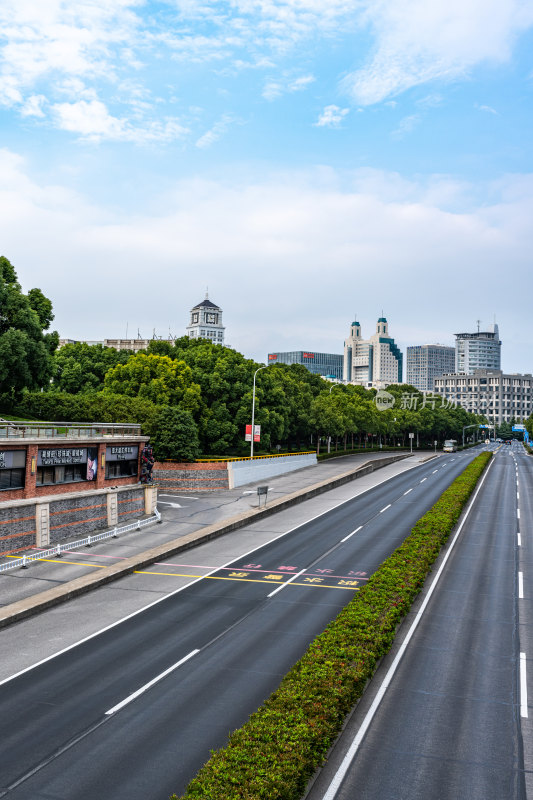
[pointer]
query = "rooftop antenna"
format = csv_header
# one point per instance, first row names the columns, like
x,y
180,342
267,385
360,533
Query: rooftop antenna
x,y
127,323
207,292
478,324
139,334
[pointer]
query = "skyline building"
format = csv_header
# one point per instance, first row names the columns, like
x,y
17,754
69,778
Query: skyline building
x,y
375,362
425,362
479,350
329,365
206,322
499,396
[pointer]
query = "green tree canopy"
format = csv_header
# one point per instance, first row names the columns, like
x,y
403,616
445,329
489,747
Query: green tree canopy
x,y
25,350
161,379
80,367
175,435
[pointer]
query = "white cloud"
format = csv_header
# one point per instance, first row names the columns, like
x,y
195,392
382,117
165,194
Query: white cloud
x,y
398,244
213,135
33,107
93,122
419,41
406,125
331,117
286,85
487,109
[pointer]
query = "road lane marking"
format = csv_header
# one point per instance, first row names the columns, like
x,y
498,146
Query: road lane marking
x,y
384,509
339,776
519,539
407,492
520,585
197,580
313,579
151,683
518,513
351,534
434,471
423,479
279,588
523,686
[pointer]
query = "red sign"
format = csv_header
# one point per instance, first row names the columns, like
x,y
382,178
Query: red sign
x,y
272,356
309,355
257,433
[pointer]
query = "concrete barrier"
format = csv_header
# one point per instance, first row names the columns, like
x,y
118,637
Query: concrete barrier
x,y
242,472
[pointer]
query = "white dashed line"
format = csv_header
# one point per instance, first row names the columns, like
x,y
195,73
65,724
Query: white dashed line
x,y
351,534
519,539
283,585
520,585
434,471
523,686
518,513
423,479
407,492
384,509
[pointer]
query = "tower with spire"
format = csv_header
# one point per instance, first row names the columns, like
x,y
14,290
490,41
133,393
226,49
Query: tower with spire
x,y
375,362
206,321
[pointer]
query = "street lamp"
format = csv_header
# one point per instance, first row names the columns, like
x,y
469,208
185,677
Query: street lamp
x,y
253,412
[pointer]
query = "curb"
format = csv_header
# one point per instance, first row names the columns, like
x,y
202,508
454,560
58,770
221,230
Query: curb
x,y
15,612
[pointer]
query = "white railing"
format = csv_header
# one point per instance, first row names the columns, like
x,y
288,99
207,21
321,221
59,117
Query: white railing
x,y
58,549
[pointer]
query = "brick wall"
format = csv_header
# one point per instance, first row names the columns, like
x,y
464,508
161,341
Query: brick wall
x,y
208,477
130,506
75,517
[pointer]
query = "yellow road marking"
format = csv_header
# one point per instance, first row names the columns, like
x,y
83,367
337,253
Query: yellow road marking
x,y
246,580
64,561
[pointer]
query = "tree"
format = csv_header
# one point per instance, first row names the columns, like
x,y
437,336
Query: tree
x,y
161,379
175,435
25,350
81,367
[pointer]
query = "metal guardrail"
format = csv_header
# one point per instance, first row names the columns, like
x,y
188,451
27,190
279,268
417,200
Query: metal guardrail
x,y
254,458
57,550
66,430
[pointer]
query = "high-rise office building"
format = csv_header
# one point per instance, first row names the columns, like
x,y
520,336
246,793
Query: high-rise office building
x,y
425,362
480,350
329,365
500,397
374,362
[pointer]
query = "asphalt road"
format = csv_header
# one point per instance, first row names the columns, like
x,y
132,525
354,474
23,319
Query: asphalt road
x,y
69,727
454,721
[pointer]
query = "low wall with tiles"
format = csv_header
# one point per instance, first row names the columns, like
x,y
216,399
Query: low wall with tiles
x,y
202,477
52,520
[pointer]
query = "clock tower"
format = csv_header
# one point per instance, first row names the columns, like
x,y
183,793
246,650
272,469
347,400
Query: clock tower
x,y
206,322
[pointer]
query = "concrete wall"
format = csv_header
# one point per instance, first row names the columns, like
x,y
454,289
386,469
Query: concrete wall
x,y
202,477
241,472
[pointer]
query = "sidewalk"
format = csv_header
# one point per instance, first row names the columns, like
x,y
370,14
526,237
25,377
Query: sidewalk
x,y
187,522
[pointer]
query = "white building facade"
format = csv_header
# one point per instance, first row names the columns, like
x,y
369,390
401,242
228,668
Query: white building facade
x,y
480,350
206,322
375,362
498,396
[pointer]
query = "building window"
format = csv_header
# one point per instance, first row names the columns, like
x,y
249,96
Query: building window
x,y
69,473
120,469
11,479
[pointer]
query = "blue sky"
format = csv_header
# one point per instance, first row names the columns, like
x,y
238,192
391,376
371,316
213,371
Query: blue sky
x,y
306,160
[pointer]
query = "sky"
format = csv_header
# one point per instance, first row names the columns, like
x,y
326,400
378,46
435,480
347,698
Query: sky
x,y
309,161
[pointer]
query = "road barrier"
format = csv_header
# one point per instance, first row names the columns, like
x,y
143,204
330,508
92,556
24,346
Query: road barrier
x,y
59,549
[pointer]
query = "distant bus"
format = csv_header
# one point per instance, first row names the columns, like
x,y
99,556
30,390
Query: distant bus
x,y
450,446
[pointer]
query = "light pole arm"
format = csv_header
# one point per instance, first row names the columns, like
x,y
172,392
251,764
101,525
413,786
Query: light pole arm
x,y
253,413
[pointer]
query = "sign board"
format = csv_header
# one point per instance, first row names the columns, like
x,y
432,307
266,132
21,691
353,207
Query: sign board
x,y
411,436
484,426
262,489
12,458
308,355
518,428
272,356
122,452
257,433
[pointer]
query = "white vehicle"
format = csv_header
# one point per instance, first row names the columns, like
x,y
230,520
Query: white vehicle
x,y
450,446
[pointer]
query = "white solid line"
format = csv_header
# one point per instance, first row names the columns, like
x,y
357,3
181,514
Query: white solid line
x,y
519,538
384,509
423,479
351,534
283,585
197,580
354,747
151,683
407,492
523,686
520,585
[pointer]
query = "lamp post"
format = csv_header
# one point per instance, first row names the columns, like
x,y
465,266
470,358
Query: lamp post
x,y
253,412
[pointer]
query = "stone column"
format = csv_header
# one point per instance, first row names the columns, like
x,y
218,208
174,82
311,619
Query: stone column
x,y
112,509
42,524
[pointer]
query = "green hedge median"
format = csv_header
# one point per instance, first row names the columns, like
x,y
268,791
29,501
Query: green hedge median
x,y
275,753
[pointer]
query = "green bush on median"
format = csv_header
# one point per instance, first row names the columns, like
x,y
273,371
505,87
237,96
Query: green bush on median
x,y
279,748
